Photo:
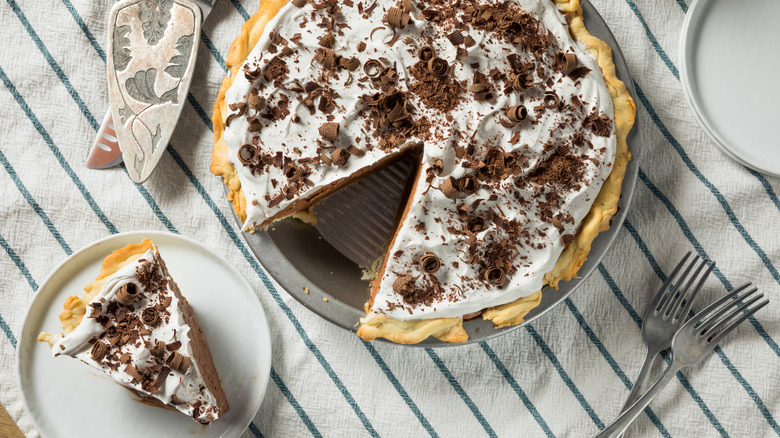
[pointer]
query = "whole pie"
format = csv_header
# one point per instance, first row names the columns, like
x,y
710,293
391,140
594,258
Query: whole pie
x,y
511,108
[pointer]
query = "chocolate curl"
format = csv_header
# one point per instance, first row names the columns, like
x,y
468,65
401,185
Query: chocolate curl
x,y
350,64
247,154
159,349
150,316
340,157
127,294
372,68
407,6
178,362
134,373
495,275
468,185
482,91
438,66
113,336
99,351
294,173
330,131
570,63
425,54
328,40
158,382
299,3
449,188
430,263
522,82
517,113
403,284
356,151
252,75
550,100
397,18
476,224
579,72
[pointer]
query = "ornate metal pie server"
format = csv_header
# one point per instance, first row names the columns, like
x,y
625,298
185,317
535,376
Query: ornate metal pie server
x,y
152,52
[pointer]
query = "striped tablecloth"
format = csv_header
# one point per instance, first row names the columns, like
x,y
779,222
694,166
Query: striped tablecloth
x,y
565,375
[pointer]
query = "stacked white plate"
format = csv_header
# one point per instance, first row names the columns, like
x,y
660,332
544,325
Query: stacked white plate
x,y
729,69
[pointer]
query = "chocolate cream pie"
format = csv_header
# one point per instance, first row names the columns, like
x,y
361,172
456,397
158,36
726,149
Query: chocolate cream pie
x,y
511,107
134,324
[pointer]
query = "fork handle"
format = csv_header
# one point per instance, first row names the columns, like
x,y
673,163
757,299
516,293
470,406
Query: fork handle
x,y
642,379
617,427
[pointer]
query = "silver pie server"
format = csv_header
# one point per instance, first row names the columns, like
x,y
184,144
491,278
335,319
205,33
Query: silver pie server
x,y
152,51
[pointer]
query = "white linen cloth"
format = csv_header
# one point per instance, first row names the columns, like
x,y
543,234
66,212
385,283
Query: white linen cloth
x,y
566,375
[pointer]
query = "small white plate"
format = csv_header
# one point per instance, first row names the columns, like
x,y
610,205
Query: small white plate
x,y
729,56
67,398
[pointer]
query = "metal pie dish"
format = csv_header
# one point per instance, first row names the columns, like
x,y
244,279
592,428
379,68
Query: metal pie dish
x,y
329,284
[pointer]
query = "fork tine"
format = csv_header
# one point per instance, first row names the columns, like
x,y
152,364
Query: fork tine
x,y
708,322
673,297
716,325
705,312
683,297
663,291
714,341
687,308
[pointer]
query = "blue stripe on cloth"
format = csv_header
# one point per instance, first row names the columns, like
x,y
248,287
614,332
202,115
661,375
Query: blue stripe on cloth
x,y
398,387
213,49
200,111
85,29
714,190
759,328
294,403
767,187
700,250
518,390
47,138
34,204
274,293
683,380
60,74
594,339
19,263
460,391
653,41
683,6
7,331
564,375
240,9
255,431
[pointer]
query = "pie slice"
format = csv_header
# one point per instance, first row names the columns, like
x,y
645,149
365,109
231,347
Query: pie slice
x,y
134,324
511,108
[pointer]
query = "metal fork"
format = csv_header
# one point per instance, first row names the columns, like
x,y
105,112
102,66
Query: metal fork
x,y
664,318
690,345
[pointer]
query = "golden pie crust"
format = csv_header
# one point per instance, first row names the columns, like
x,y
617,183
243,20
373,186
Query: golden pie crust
x,y
570,260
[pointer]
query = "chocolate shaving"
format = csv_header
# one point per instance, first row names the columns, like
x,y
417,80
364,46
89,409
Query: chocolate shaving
x,y
159,349
255,101
174,398
456,37
450,188
476,224
402,285
397,18
517,113
340,157
469,41
294,173
494,275
328,40
361,46
356,151
113,336
425,54
579,72
430,263
178,362
350,64
248,154
566,239
550,100
299,3
438,66
125,358
372,68
158,382
98,351
407,6
150,316
127,294
468,185
330,131
134,373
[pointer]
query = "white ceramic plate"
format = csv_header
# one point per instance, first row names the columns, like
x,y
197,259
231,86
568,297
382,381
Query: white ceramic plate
x,y
726,48
67,398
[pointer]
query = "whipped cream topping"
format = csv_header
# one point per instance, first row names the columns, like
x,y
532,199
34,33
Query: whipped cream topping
x,y
496,201
184,391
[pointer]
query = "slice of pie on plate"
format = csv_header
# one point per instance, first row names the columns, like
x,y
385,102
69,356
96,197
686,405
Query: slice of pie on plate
x,y
511,108
135,325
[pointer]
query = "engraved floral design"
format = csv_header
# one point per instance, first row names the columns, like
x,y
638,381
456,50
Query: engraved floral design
x,y
121,47
154,16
